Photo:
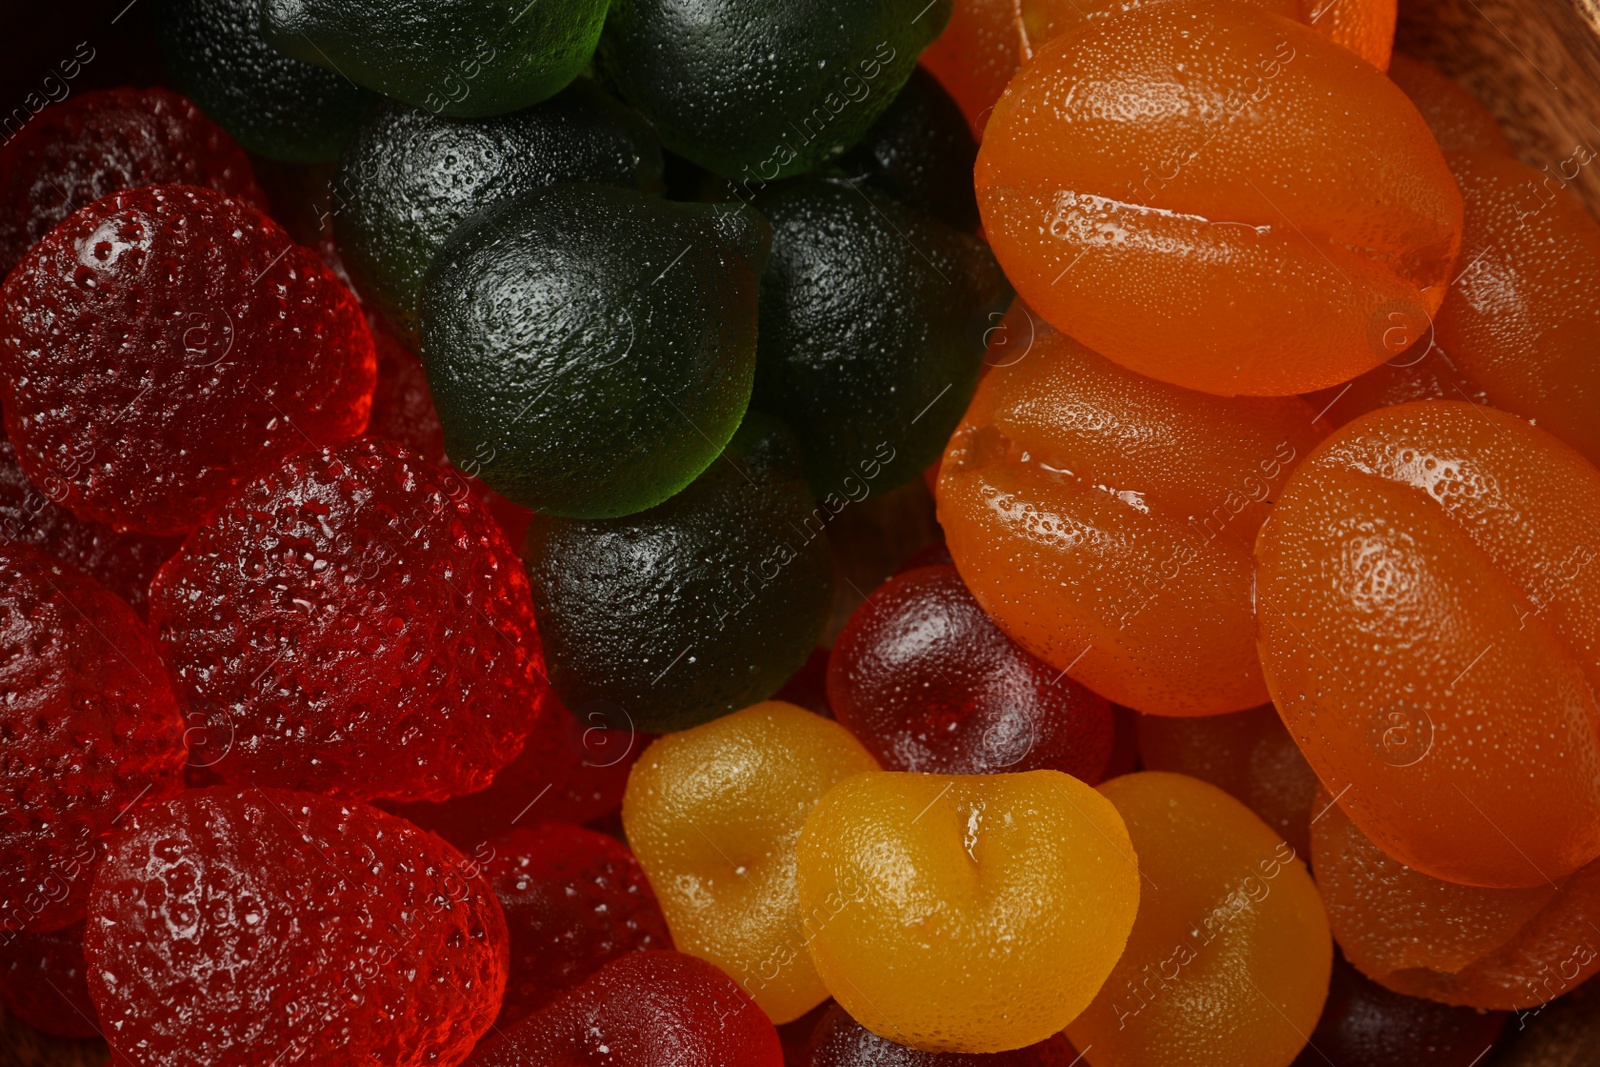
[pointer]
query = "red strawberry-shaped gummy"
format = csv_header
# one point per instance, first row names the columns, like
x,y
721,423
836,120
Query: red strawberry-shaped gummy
x,y
247,928
88,726
165,344
929,683
44,983
123,563
85,147
645,1009
574,901
840,1041
360,625
566,772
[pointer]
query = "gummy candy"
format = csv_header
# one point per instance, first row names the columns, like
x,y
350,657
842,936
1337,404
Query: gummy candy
x,y
1459,123
166,344
1229,957
1248,755
90,728
357,624
276,106
123,563
1471,756
840,1041
1366,1025
871,332
591,349
1253,234
756,90
644,1009
235,927
929,683
921,153
574,900
1485,948
88,146
713,814
696,608
966,913
43,982
988,41
453,57
402,404
1106,520
408,178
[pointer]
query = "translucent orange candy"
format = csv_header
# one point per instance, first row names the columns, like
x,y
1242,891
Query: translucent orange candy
x,y
1521,325
1498,949
1458,121
1106,521
1228,961
1216,196
1428,591
988,41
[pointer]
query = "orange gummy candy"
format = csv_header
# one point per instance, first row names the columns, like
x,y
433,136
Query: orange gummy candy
x,y
1429,606
1520,326
1248,755
1214,195
987,41
1497,949
1105,521
1459,123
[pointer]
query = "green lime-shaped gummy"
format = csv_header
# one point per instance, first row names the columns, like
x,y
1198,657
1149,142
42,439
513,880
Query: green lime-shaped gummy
x,y
696,608
275,106
409,177
591,349
872,330
761,89
469,58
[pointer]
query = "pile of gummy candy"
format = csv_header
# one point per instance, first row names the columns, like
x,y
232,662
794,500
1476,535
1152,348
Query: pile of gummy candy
x,y
445,439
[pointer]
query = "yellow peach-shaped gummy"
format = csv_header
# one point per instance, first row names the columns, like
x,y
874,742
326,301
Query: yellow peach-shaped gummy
x,y
966,913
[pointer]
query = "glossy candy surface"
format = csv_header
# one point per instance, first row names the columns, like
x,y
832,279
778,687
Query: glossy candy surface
x,y
840,1041
88,146
89,726
574,900
1472,755
1458,121
1485,948
453,57
756,90
1228,961
929,683
714,814
227,928
966,913
1248,755
872,320
695,608
593,348
280,107
356,623
1249,235
408,178
646,1009
166,344
1106,521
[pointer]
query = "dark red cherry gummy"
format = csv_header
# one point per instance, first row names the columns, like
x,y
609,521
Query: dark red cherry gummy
x,y
840,1041
574,901
358,622
928,683
645,1009
165,344
247,928
566,772
123,563
85,147
44,984
88,727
